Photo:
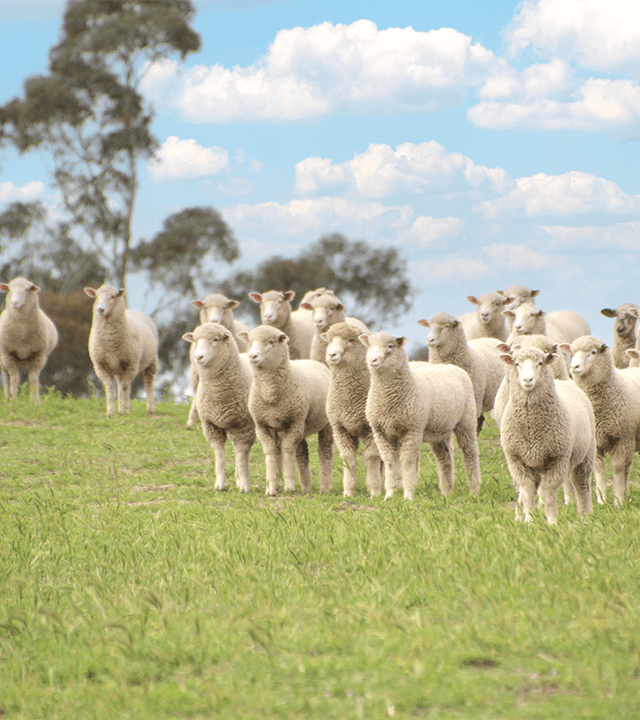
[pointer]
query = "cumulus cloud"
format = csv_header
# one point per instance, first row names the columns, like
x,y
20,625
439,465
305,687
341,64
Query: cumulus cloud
x,y
12,193
184,159
620,236
521,258
311,72
572,193
426,231
599,34
602,104
452,270
380,171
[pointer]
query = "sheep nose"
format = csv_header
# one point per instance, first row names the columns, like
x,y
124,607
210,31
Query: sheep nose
x,y
100,310
253,357
199,357
333,356
432,341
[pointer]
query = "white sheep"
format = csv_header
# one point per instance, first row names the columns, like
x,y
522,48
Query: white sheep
x,y
27,337
562,326
480,358
346,405
615,396
624,332
122,343
287,401
297,325
547,435
414,402
326,311
487,320
222,396
219,309
517,295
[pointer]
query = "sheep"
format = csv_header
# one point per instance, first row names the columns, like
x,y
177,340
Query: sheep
x,y
615,396
563,326
488,320
222,396
414,402
346,405
547,435
625,332
297,325
634,357
219,309
287,401
327,310
122,343
27,337
480,358
517,295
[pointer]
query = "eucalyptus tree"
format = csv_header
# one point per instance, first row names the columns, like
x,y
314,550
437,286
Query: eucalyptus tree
x,y
88,112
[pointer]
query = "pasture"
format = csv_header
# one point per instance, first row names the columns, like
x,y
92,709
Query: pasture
x,y
129,588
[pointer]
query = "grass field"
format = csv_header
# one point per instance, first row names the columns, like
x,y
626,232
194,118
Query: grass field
x,y
130,589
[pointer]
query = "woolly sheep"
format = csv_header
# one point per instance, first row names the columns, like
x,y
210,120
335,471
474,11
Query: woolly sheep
x,y
122,343
480,358
219,309
624,332
222,396
27,337
346,405
615,396
287,401
414,402
547,435
297,325
517,295
488,320
326,311
562,326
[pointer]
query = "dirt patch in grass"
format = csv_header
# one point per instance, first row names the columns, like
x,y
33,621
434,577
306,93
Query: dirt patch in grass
x,y
353,507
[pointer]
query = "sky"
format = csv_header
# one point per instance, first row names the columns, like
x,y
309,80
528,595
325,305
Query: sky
x,y
490,143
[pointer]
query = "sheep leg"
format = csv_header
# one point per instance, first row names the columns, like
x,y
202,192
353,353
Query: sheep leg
x,y
620,458
148,380
193,410
467,438
124,395
548,490
389,457
601,480
348,446
106,377
272,456
409,462
242,451
34,382
372,465
216,437
567,491
582,487
304,469
525,482
443,451
325,454
11,379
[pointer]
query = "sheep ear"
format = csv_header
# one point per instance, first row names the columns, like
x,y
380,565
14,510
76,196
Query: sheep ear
x,y
564,346
506,359
364,339
243,335
503,347
5,288
34,288
551,358
501,292
508,313
340,306
472,299
604,347
633,353
424,323
87,291
634,311
608,312
534,293
197,304
282,339
324,336
289,295
256,297
401,341
188,337
306,306
120,292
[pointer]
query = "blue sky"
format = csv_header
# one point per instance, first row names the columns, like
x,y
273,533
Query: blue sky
x,y
492,143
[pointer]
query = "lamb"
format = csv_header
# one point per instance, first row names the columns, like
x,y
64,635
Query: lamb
x,y
563,326
480,358
488,320
219,309
414,402
287,401
222,396
547,435
625,332
615,396
346,405
517,295
27,337
327,310
297,325
122,343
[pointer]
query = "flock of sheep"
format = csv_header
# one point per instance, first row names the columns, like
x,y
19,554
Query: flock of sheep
x,y
562,398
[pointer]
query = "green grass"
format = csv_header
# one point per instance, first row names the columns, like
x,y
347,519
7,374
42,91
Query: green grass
x,y
130,589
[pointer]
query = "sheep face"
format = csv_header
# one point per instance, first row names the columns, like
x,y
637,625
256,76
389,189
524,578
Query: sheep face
x,y
441,328
327,310
268,347
591,357
275,306
106,299
216,308
20,293
626,319
211,345
525,319
529,367
383,349
517,295
488,306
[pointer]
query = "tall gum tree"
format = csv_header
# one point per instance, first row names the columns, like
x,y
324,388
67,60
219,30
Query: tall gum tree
x,y
89,115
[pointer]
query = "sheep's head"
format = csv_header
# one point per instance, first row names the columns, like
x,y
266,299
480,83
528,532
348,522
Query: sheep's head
x,y
21,293
441,326
383,349
105,300
517,295
212,343
527,319
275,306
343,344
216,308
590,357
327,310
268,347
488,306
530,365
626,317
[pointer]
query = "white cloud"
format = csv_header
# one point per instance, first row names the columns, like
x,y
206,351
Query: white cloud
x,y
310,72
452,270
600,34
604,104
381,172
620,236
181,159
521,258
425,231
12,193
571,193
534,82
